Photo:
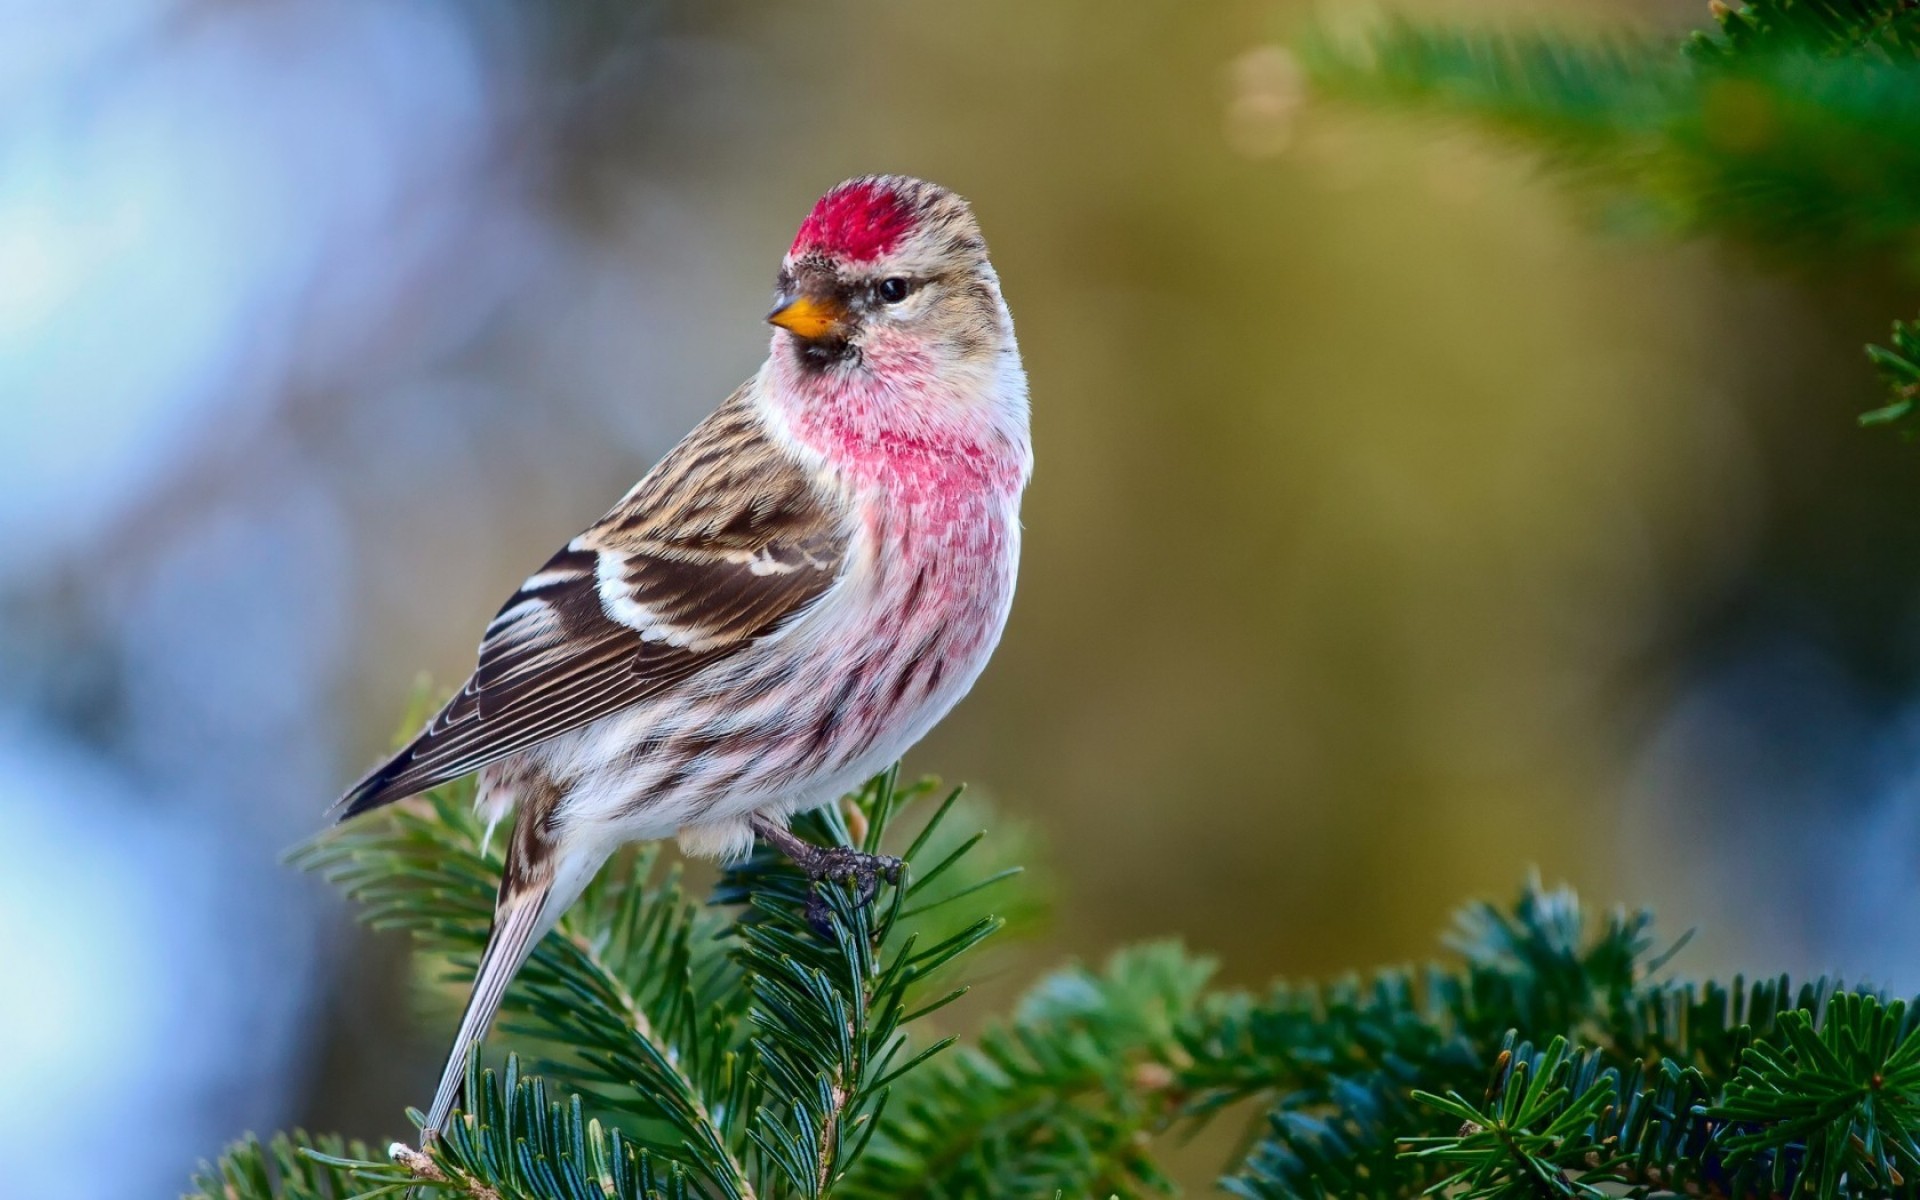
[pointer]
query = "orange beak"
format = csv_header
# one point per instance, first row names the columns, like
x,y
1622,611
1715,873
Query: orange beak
x,y
809,317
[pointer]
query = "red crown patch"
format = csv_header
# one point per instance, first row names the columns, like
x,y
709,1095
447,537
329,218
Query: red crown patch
x,y
858,221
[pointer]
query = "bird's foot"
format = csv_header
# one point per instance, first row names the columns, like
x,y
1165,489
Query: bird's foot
x,y
831,864
842,864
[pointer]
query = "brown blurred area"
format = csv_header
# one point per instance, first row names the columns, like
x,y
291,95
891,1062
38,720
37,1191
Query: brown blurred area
x,y
1396,530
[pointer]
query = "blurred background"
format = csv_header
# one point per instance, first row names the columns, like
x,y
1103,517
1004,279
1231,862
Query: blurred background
x,y
1393,532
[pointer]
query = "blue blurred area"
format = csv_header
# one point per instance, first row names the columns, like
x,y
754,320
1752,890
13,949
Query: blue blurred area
x,y
243,249
1390,534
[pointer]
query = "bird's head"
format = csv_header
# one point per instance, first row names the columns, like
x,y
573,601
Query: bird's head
x,y
888,278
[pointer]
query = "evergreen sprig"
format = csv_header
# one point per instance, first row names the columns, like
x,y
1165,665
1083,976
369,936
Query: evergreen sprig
x,y
1562,1123
296,1166
636,988
722,1050
727,1050
827,1018
1430,1081
1833,1095
1339,1065
1062,1099
1792,129
1899,368
1873,29
514,1143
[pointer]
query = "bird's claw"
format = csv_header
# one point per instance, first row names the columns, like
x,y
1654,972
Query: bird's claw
x,y
840,864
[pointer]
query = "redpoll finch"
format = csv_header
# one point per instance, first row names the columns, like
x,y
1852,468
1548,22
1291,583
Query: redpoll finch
x,y
792,597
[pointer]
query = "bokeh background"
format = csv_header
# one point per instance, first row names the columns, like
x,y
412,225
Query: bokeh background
x,y
1395,530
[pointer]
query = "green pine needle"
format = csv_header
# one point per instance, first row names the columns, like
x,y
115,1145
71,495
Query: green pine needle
x,y
717,1048
1793,131
296,1166
724,1050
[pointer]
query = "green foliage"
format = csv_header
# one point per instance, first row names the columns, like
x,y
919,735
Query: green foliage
x,y
636,986
714,1053
1341,1066
516,1142
1063,1098
1799,156
726,1049
1559,1123
828,1018
1644,1087
1793,131
1899,367
1837,1094
295,1166
1870,29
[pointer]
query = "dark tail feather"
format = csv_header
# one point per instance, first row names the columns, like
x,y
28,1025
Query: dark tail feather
x,y
383,785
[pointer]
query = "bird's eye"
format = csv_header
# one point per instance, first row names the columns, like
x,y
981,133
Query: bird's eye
x,y
893,289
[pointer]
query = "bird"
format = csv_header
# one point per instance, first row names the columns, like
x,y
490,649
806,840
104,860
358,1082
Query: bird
x,y
784,604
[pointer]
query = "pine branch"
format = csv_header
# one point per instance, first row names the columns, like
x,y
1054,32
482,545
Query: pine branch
x,y
1741,1090
1534,966
296,1166
1822,1105
1899,368
1873,29
514,1143
1794,131
1801,158
1831,1095
1345,1146
636,986
1061,1099
728,1050
1338,1064
722,1050
827,1090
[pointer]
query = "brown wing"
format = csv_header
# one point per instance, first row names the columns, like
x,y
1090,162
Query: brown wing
x,y
722,542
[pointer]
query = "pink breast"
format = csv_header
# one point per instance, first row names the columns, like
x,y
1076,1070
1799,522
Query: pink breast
x,y
943,577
